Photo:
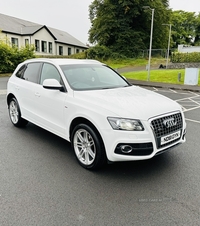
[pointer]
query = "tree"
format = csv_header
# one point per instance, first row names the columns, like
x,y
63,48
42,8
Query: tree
x,y
124,26
197,31
184,26
11,56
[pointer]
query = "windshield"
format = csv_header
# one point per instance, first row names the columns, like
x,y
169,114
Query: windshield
x,y
90,77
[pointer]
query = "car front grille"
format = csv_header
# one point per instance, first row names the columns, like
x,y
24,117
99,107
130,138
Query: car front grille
x,y
167,125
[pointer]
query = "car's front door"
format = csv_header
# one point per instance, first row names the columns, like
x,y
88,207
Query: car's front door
x,y
50,107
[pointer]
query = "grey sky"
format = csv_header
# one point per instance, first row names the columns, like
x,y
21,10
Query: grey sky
x,y
186,5
68,15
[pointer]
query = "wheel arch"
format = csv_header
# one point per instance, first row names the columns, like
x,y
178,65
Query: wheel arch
x,y
21,122
9,97
80,120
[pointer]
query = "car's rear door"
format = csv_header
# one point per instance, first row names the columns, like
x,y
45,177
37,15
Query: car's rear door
x,y
25,84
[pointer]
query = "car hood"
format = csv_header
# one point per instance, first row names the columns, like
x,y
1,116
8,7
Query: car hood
x,y
130,102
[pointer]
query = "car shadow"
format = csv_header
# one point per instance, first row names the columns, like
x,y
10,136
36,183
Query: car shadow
x,y
164,163
144,168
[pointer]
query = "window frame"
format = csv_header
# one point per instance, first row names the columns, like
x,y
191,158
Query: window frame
x,y
50,45
69,51
60,80
37,45
26,41
60,50
15,41
44,46
23,69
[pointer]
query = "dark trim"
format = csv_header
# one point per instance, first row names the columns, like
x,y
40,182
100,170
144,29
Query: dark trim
x,y
47,30
136,149
30,34
9,32
64,43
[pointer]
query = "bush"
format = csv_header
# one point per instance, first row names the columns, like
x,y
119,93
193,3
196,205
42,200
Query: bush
x,y
185,57
98,52
81,55
102,53
11,56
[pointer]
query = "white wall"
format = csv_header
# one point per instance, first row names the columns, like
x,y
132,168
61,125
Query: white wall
x,y
7,38
188,49
44,35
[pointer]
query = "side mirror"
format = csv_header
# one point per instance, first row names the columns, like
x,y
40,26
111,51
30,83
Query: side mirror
x,y
52,84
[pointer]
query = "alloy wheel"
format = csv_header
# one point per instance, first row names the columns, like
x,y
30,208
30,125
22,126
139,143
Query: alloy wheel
x,y
84,147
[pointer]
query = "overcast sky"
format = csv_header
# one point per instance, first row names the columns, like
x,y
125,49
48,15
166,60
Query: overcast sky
x,y
69,15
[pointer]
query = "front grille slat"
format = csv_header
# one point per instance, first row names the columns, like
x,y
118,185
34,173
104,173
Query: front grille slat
x,y
160,129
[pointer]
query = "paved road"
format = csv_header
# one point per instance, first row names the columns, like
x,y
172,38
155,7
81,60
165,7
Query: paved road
x,y
3,84
42,184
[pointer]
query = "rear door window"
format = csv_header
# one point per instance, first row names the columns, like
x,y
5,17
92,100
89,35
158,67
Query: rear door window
x,y
31,72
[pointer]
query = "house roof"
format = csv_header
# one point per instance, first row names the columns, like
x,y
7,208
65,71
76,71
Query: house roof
x,y
18,26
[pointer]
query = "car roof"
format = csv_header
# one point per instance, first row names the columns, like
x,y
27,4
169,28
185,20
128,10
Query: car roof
x,y
65,61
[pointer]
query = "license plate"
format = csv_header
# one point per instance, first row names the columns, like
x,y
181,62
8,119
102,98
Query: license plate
x,y
170,137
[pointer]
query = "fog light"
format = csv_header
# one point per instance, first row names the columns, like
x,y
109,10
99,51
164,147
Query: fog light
x,y
126,148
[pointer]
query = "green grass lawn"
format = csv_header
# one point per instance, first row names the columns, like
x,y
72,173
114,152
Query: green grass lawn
x,y
120,63
162,75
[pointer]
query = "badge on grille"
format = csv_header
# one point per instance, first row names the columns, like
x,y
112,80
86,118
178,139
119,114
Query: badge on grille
x,y
169,122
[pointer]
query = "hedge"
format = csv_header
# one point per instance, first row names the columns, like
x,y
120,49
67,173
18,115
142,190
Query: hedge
x,y
11,56
177,57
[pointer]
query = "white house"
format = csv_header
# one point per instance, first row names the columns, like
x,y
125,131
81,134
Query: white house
x,y
47,40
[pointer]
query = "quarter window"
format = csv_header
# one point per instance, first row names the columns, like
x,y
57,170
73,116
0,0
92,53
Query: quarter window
x,y
20,72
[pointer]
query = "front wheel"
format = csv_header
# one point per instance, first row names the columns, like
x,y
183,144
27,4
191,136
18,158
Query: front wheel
x,y
88,147
15,114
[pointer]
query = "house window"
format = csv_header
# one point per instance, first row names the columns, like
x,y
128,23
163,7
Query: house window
x,y
26,42
77,50
14,42
44,46
50,47
60,50
37,45
69,51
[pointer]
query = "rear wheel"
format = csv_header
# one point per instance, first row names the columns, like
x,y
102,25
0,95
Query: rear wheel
x,y
88,147
15,114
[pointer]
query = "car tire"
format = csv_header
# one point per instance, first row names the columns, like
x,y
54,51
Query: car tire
x,y
15,113
88,147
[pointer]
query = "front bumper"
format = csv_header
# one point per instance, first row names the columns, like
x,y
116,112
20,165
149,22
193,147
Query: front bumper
x,y
141,145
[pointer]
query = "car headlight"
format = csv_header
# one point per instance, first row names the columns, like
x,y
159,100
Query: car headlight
x,y
126,124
